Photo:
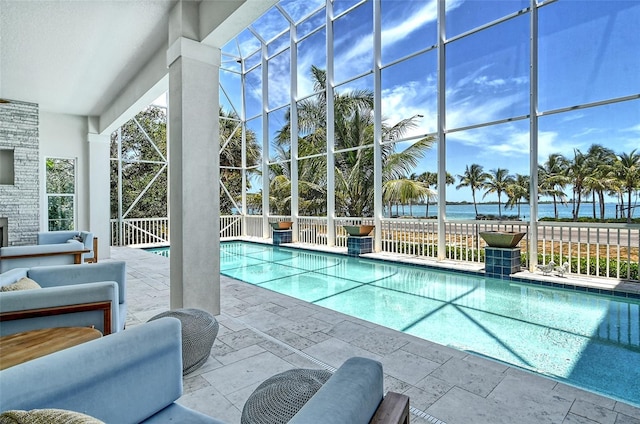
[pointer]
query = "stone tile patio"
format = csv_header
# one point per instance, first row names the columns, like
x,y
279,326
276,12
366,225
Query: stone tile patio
x,y
263,333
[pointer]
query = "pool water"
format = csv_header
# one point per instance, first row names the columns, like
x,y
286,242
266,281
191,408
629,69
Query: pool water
x,y
588,340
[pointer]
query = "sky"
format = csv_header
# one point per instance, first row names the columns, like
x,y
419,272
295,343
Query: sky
x,y
588,52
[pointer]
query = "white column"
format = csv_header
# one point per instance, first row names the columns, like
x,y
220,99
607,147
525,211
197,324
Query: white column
x,y
194,143
99,191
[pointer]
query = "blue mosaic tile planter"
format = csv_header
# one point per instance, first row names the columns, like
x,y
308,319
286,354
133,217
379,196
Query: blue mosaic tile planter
x,y
282,236
501,262
356,246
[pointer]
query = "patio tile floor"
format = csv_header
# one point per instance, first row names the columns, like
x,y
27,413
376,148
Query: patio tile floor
x,y
263,333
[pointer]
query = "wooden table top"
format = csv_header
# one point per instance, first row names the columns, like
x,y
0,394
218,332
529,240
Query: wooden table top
x,y
22,347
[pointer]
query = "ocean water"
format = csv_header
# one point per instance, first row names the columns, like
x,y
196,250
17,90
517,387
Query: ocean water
x,y
467,211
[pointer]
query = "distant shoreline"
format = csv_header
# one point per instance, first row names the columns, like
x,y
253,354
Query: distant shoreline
x,y
466,210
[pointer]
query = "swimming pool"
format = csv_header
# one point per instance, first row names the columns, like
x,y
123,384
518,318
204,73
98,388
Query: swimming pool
x,y
588,340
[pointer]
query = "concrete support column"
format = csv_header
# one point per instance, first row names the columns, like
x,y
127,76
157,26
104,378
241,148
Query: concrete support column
x,y
194,159
99,192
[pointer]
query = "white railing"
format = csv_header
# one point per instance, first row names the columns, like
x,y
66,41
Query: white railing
x,y
135,231
601,250
253,226
230,226
416,237
312,230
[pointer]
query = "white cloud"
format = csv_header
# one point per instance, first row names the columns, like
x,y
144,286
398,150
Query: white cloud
x,y
568,117
400,30
298,9
270,24
633,129
484,80
547,144
279,81
475,109
587,131
409,99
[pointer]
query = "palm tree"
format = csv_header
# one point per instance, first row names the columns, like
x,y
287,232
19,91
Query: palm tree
x,y
231,159
577,171
627,170
280,195
498,181
406,190
353,126
599,160
431,179
518,190
552,179
474,177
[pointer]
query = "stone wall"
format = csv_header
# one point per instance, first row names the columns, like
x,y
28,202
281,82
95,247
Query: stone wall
x,y
20,202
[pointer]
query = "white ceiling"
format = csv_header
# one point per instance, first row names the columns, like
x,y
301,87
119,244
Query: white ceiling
x,y
64,55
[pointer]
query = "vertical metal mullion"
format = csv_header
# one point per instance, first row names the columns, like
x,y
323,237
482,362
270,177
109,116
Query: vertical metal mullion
x,y
377,124
442,153
533,135
243,159
294,130
331,177
120,228
265,144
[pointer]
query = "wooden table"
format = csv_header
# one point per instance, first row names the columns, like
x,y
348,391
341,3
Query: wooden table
x,y
22,347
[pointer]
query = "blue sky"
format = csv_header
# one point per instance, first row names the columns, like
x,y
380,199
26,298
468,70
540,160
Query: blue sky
x,y
588,52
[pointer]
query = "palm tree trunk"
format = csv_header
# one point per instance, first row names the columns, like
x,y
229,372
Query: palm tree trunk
x,y
475,205
555,207
602,209
593,206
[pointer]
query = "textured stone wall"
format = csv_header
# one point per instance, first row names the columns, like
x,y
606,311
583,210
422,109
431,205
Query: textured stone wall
x,y
20,202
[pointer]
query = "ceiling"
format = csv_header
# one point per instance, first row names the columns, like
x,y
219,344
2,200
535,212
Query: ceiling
x,y
64,55
78,56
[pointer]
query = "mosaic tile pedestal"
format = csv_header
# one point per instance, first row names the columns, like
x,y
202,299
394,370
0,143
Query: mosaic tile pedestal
x,y
501,262
282,236
356,246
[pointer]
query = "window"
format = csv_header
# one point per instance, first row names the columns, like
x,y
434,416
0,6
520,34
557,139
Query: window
x,y
61,193
6,167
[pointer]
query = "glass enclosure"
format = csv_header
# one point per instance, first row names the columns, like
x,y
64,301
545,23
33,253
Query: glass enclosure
x,y
326,87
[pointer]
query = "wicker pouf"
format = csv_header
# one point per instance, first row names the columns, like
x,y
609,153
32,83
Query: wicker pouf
x,y
199,331
280,397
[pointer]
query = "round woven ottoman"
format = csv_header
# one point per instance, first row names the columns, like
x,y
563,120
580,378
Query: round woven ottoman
x,y
280,397
199,331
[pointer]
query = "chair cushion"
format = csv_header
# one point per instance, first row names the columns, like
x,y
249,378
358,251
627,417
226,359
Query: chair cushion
x,y
46,416
22,284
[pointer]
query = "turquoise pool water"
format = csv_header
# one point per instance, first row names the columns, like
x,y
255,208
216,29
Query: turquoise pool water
x,y
588,340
